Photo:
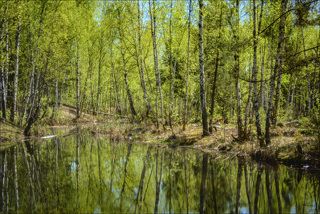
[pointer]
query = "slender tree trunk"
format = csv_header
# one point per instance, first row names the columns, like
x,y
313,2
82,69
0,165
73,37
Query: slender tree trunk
x,y
78,84
262,95
6,77
32,108
261,100
2,83
116,85
125,71
99,72
172,70
277,70
92,104
141,65
309,91
31,88
85,85
215,75
237,74
16,73
129,94
5,71
2,90
248,103
34,112
56,98
35,103
152,9
274,118
254,75
185,115
202,75
213,92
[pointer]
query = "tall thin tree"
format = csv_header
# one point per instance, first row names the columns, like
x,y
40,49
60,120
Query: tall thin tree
x,y
276,70
205,129
254,77
185,115
16,72
152,10
141,64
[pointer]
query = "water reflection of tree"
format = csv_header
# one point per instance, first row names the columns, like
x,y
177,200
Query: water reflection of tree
x,y
203,183
4,183
186,180
257,189
139,195
125,174
158,179
239,176
116,176
269,191
248,193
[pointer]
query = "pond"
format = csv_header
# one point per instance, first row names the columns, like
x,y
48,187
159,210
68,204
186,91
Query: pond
x,y
81,173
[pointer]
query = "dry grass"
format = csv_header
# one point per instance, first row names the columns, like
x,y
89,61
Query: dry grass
x,y
9,134
286,140
285,145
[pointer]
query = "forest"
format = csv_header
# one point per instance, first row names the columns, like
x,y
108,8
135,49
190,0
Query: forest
x,y
237,77
168,62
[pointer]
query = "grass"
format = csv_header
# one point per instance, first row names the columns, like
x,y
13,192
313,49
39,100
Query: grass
x,y
9,134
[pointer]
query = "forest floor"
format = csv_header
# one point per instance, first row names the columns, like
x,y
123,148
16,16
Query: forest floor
x,y
291,144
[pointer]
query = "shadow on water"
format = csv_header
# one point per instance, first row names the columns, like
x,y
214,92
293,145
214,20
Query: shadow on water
x,y
84,174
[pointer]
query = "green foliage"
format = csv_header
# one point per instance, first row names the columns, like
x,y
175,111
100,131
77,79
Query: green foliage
x,y
102,37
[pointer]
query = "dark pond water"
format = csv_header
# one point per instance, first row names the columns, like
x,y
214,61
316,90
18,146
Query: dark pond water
x,y
83,174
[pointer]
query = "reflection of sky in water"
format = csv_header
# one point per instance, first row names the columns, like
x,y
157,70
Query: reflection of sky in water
x,y
96,193
293,210
135,192
107,163
116,192
244,210
73,166
122,160
290,196
97,210
312,209
229,206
